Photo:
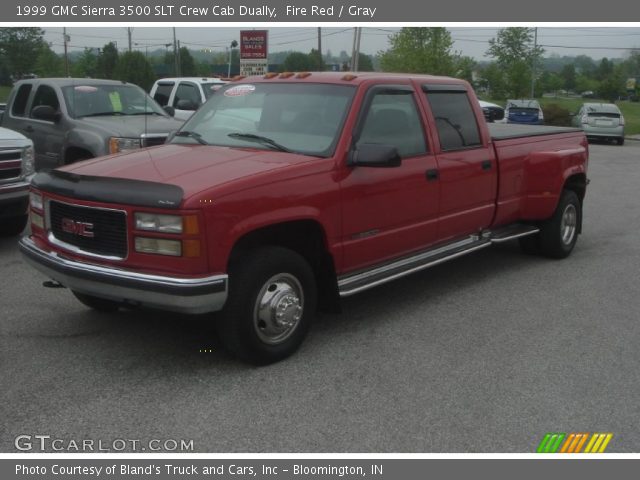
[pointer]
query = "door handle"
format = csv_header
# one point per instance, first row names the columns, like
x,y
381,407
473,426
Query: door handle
x,y
486,165
432,174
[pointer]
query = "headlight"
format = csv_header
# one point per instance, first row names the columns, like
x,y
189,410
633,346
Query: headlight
x,y
120,144
156,222
35,200
159,246
28,166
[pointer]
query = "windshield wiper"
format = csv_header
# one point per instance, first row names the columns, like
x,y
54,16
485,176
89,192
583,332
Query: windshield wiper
x,y
144,113
260,139
197,136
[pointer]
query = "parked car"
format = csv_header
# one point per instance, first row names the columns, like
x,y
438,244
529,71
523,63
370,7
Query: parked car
x,y
285,192
601,121
16,171
491,111
524,112
184,95
71,119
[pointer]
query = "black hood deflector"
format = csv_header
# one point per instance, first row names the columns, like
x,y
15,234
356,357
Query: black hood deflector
x,y
122,191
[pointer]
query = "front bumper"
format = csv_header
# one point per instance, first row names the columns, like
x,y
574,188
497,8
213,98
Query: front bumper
x,y
14,199
185,295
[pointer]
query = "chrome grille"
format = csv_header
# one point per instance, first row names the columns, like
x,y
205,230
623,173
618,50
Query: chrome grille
x,y
10,164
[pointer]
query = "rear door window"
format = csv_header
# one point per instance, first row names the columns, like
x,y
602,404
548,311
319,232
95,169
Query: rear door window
x,y
455,119
20,102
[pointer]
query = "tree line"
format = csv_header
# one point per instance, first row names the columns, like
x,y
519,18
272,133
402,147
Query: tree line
x,y
516,61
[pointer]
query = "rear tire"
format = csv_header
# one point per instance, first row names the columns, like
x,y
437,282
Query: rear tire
x,y
271,305
97,303
559,234
13,226
620,141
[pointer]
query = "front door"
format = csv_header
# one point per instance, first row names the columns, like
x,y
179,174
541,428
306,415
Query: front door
x,y
388,212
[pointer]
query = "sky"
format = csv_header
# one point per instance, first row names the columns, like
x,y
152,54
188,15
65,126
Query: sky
x,y
596,42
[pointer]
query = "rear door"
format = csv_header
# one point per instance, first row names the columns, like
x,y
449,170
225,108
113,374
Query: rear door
x,y
388,212
467,167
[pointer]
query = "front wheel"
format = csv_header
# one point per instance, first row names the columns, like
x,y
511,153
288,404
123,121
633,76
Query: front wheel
x,y
271,304
13,226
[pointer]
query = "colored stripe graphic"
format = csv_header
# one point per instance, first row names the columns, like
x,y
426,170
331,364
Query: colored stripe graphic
x,y
551,442
573,442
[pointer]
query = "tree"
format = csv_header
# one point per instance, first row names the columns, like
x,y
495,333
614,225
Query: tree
x,y
364,63
297,62
315,61
134,67
187,63
605,69
515,53
48,63
107,60
495,80
568,75
20,46
420,50
86,65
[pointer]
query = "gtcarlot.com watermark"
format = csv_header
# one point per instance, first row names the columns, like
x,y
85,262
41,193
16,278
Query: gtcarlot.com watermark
x,y
48,443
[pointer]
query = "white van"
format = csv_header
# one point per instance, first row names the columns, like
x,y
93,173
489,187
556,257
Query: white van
x,y
184,95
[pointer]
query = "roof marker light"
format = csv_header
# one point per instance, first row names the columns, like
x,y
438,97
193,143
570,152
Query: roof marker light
x,y
287,74
348,77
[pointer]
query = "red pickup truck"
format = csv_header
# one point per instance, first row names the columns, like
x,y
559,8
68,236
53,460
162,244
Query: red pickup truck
x,y
284,193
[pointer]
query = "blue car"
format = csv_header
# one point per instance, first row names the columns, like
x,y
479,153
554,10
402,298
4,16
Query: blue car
x,y
525,112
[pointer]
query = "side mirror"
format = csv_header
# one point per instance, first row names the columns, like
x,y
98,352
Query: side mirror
x,y
375,155
170,110
186,105
45,112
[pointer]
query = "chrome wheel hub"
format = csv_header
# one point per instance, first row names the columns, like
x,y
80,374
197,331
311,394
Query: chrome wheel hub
x,y
568,224
279,308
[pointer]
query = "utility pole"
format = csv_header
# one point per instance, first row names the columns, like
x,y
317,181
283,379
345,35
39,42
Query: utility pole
x,y
66,53
353,50
178,61
175,52
533,62
320,46
357,53
129,32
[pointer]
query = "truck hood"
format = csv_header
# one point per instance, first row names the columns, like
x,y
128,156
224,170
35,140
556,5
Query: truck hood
x,y
132,125
11,136
191,168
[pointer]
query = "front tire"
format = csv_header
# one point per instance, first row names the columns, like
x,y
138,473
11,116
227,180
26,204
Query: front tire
x,y
271,305
13,226
620,141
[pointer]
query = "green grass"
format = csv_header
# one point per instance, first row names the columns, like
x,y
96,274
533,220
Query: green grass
x,y
630,110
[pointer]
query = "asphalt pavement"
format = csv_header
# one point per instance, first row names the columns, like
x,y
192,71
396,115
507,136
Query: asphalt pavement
x,y
487,353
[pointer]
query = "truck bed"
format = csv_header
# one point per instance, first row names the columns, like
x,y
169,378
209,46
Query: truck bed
x,y
504,131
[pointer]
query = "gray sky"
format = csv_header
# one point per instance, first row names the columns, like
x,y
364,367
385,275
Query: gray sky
x,y
472,41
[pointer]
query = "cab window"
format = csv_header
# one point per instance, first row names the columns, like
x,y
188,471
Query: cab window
x,y
46,95
455,119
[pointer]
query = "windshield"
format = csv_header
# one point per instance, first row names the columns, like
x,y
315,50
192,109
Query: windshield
x,y
301,118
107,100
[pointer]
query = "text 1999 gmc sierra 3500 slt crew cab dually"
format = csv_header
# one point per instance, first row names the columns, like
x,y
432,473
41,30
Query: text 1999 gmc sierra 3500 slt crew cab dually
x,y
289,191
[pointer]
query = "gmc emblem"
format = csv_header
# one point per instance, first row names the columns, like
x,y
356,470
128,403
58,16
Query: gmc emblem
x,y
82,229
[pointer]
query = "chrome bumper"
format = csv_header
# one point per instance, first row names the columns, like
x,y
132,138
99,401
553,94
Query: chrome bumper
x,y
185,295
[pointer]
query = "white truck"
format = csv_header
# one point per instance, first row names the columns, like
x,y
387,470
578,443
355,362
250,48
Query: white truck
x,y
16,171
181,96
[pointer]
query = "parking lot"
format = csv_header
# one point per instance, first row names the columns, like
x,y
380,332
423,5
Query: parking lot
x,y
483,354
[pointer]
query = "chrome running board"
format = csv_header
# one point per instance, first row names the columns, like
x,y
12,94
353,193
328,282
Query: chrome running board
x,y
363,280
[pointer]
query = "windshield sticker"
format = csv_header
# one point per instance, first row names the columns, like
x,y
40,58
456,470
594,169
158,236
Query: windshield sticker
x,y
114,97
85,89
239,91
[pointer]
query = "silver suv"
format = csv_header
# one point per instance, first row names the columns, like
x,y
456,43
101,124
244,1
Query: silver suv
x,y
71,119
602,121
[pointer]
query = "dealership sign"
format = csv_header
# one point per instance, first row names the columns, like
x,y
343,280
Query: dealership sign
x,y
253,52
